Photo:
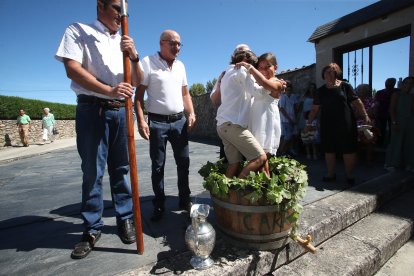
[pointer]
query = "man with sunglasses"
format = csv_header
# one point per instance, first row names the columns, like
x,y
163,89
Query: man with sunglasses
x,y
170,116
93,58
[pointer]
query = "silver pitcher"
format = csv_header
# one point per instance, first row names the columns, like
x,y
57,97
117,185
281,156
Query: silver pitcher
x,y
200,237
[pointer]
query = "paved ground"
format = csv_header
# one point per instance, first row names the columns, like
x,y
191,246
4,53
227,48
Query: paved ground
x,y
39,202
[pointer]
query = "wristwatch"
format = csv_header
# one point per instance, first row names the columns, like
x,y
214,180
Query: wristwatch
x,y
135,59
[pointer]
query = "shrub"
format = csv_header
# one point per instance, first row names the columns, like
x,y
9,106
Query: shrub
x,y
9,108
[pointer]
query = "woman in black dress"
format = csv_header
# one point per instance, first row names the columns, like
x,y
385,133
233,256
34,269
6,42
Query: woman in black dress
x,y
336,100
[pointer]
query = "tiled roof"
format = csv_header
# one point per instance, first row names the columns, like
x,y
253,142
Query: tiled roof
x,y
359,17
296,69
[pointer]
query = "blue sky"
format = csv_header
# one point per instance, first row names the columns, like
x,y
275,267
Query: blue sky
x,y
210,29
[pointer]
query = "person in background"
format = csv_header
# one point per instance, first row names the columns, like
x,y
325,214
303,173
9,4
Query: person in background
x,y
168,104
310,139
23,122
364,134
93,58
48,123
215,99
400,151
382,101
338,124
287,108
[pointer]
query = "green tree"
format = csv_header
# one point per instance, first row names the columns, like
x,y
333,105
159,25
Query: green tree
x,y
197,89
210,85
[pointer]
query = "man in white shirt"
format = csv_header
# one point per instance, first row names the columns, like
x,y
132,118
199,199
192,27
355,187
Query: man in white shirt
x,y
168,102
93,59
232,118
215,94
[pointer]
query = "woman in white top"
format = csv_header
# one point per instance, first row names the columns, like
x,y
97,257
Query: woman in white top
x,y
264,122
48,123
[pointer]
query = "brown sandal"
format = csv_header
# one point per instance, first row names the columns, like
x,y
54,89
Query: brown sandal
x,y
85,246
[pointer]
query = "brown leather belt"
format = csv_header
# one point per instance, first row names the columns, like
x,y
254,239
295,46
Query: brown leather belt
x,y
106,103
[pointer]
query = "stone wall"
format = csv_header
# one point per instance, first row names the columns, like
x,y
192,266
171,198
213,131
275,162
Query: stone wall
x,y
205,127
300,78
9,129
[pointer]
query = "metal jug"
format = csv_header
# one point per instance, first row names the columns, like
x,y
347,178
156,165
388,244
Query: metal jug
x,y
200,237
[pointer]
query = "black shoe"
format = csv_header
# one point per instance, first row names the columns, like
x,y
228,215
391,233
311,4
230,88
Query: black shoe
x,y
350,181
85,246
157,214
329,178
185,205
126,231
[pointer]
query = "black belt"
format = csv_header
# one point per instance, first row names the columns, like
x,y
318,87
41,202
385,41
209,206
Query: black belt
x,y
106,103
165,118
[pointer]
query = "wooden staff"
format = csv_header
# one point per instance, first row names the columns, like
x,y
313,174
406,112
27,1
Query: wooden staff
x,y
131,142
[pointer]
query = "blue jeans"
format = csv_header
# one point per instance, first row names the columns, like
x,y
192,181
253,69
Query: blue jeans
x,y
176,134
101,139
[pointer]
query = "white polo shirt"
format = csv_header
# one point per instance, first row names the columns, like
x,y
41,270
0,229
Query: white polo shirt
x,y
164,85
97,50
237,88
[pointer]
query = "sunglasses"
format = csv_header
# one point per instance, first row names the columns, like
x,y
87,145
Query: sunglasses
x,y
173,43
117,9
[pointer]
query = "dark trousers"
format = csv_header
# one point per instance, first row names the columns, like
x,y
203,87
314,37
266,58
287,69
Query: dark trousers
x,y
176,133
384,126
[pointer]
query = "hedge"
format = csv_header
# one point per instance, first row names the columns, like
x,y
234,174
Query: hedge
x,y
9,108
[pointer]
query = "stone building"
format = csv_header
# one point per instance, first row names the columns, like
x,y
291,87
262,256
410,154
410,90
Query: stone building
x,y
380,22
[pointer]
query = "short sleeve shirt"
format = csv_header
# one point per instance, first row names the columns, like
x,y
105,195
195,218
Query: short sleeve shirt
x,y
97,50
48,120
164,85
23,120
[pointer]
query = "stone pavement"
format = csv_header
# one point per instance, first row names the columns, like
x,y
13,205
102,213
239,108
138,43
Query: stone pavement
x,y
40,222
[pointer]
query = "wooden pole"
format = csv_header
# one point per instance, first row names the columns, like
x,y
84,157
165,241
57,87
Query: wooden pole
x,y
131,142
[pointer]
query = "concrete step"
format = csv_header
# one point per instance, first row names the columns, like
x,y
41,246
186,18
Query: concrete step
x,y
362,248
401,263
322,219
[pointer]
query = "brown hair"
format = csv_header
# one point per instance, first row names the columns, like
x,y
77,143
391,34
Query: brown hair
x,y
269,57
335,67
241,55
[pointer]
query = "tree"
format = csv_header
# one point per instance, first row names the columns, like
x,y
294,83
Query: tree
x,y
210,85
197,89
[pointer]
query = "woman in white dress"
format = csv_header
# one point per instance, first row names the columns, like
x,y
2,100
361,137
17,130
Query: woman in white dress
x,y
264,113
